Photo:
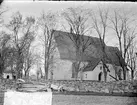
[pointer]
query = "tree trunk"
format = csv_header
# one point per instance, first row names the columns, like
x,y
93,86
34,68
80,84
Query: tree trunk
x,y
46,69
76,75
1,65
124,68
26,74
124,73
17,69
47,57
104,62
81,75
77,67
105,73
19,66
132,74
120,45
123,65
77,63
1,69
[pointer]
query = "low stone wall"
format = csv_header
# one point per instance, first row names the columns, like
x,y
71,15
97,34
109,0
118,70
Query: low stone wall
x,y
85,86
95,86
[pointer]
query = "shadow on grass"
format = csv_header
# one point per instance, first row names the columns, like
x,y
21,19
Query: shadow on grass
x,y
97,94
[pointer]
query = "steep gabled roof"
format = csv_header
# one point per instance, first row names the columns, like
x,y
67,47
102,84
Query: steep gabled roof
x,y
67,49
92,64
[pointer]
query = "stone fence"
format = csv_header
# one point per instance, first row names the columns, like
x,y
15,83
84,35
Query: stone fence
x,y
95,86
87,86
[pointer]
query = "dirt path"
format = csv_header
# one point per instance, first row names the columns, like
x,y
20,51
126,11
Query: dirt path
x,y
93,100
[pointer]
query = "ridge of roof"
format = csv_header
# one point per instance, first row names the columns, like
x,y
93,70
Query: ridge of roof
x,y
68,33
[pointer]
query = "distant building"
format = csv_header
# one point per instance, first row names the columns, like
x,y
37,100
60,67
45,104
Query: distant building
x,y
8,74
65,57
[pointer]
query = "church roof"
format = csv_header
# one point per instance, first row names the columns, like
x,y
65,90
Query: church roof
x,y
93,53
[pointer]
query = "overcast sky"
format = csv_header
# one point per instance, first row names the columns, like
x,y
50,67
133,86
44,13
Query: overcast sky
x,y
28,7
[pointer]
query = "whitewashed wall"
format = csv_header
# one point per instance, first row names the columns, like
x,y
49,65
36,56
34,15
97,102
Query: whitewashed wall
x,y
63,70
6,74
93,75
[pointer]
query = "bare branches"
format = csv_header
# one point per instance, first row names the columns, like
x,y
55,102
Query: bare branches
x,y
100,23
23,32
47,25
131,58
4,49
125,30
77,19
117,24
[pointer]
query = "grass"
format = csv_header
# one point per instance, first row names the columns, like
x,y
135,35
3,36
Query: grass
x,y
97,94
60,99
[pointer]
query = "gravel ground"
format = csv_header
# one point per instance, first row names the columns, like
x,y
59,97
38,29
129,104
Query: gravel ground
x,y
92,100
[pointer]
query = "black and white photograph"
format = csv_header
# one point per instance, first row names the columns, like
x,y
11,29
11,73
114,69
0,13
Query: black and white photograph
x,y
60,52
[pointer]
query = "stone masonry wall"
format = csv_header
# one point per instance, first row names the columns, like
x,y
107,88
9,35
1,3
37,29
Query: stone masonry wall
x,y
95,86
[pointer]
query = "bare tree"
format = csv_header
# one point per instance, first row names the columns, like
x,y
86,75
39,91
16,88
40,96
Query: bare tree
x,y
22,32
28,63
3,41
77,19
47,24
31,59
4,49
125,31
7,53
131,58
99,23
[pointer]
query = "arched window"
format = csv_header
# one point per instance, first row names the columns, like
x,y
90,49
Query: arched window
x,y
99,76
14,77
8,76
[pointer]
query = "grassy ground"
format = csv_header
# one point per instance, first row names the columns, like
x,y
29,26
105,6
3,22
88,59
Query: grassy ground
x,y
98,94
61,99
92,100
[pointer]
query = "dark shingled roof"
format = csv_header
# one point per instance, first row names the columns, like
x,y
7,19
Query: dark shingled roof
x,y
111,52
92,54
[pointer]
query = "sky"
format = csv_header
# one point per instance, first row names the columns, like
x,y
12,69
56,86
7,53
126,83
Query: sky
x,y
28,7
